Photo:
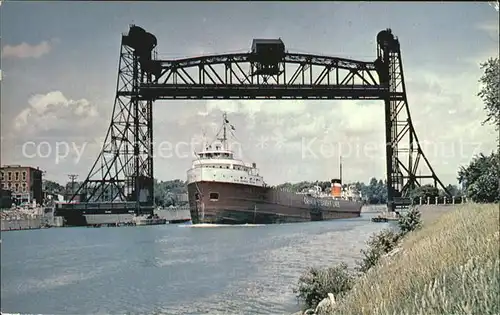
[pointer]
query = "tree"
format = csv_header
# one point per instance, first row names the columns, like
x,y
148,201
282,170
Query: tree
x,y
165,192
70,189
490,91
452,189
480,178
52,187
376,191
424,191
382,191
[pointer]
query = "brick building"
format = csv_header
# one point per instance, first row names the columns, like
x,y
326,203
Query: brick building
x,y
24,182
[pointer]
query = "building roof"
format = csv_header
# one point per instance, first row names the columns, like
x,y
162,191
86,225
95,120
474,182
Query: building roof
x,y
20,166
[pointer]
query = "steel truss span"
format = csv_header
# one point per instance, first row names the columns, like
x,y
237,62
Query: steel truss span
x,y
124,169
295,76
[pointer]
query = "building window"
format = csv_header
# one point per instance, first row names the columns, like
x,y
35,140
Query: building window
x,y
24,187
24,175
197,196
9,175
214,196
2,175
17,188
17,175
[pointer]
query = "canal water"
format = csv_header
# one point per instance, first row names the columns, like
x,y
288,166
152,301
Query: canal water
x,y
171,269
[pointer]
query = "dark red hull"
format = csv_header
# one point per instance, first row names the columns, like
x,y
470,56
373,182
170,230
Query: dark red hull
x,y
231,203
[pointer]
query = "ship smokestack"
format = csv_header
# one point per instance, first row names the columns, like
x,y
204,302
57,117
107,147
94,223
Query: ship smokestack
x,y
336,188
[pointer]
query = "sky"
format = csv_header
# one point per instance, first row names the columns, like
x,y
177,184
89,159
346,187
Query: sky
x,y
59,69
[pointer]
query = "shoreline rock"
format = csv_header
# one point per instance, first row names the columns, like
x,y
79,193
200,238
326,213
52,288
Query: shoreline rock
x,y
324,307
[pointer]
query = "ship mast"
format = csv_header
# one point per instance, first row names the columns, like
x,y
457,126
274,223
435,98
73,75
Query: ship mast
x,y
204,139
340,169
224,131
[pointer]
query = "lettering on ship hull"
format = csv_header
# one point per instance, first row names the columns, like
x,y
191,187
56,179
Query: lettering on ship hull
x,y
330,203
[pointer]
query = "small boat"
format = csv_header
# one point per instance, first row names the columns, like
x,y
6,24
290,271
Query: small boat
x,y
386,217
379,219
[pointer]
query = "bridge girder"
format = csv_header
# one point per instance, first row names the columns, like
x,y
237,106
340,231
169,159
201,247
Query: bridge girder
x,y
298,76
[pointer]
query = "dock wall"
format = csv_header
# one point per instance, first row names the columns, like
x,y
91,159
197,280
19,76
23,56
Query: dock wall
x,y
173,214
21,224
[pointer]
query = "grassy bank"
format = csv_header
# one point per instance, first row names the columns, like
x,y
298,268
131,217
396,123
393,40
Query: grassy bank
x,y
450,266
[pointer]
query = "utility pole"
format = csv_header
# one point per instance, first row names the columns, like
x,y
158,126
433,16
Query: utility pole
x,y
72,177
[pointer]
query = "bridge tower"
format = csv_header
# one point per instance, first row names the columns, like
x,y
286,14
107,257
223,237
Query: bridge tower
x,y
401,138
123,170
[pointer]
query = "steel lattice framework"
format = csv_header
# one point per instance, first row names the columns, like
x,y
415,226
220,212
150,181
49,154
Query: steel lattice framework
x,y
241,77
124,169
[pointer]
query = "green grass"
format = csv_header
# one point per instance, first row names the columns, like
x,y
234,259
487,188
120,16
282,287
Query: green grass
x,y
449,267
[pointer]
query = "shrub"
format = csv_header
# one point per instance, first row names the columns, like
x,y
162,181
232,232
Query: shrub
x,y
315,284
410,221
378,245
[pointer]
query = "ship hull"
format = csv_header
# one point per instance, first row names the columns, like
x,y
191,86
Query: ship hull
x,y
242,204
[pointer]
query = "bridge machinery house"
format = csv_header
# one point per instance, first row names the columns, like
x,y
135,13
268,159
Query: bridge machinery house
x,y
24,182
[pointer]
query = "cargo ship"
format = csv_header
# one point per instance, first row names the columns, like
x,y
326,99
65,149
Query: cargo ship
x,y
223,189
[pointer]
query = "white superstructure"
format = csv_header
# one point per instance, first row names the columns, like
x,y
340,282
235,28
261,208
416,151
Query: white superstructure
x,y
351,193
216,163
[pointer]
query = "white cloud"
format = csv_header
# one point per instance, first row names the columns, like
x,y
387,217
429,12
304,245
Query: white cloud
x,y
56,133
490,26
307,118
257,106
25,50
54,111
